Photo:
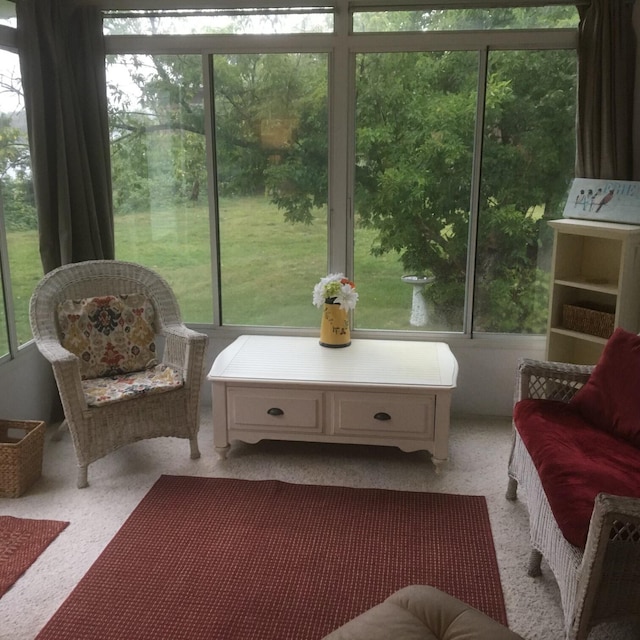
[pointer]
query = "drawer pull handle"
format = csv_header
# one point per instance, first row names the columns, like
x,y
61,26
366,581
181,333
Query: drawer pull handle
x,y
275,411
382,416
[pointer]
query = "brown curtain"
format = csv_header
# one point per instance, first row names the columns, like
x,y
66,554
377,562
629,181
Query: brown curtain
x,y
606,74
63,77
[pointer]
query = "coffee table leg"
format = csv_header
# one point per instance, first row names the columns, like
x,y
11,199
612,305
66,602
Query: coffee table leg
x,y
223,452
219,412
442,417
438,463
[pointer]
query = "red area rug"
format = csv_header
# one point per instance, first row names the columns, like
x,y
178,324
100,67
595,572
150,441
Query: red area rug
x,y
224,559
21,542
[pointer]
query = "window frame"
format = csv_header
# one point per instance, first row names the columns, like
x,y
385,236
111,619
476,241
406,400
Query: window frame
x,y
342,46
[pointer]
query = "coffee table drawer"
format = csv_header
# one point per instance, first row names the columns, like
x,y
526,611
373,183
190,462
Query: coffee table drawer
x,y
277,409
383,414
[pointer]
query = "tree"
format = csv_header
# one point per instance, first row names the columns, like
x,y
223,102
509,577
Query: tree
x,y
529,152
415,149
157,131
18,199
271,129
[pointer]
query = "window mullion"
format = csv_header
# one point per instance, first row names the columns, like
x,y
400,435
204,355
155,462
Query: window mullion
x,y
340,250
212,185
476,177
6,287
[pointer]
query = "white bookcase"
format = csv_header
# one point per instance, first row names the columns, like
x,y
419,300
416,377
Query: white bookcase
x,y
595,263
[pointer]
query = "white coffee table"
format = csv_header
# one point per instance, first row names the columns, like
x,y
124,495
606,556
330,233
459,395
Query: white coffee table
x,y
375,392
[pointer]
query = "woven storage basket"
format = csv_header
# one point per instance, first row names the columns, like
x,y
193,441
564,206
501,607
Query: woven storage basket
x,y
585,317
21,444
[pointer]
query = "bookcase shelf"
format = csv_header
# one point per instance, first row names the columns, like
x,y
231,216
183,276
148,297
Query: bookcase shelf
x,y
594,264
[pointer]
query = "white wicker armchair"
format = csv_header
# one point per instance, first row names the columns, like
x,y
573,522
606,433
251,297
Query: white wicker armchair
x,y
99,430
601,583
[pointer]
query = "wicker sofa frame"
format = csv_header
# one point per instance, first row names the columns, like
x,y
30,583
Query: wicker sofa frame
x,y
601,583
100,430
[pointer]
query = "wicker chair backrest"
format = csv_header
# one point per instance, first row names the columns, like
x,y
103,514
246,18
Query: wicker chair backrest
x,y
97,278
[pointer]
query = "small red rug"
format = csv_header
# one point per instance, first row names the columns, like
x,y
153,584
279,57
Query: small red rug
x,y
225,559
21,542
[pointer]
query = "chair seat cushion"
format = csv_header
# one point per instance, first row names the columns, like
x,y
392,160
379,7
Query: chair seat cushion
x,y
159,379
575,462
111,335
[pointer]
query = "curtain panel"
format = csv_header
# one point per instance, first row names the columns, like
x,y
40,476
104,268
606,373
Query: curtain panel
x,y
64,83
606,76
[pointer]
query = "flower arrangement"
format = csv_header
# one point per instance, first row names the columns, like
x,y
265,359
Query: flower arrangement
x,y
335,289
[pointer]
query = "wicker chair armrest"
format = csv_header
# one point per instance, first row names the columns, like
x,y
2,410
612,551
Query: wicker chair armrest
x,y
550,380
183,332
66,370
609,580
185,349
54,352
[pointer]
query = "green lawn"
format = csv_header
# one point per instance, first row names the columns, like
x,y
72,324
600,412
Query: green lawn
x,y
26,272
269,266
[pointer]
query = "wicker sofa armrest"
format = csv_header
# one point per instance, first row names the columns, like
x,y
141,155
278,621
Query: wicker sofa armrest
x,y
609,576
549,380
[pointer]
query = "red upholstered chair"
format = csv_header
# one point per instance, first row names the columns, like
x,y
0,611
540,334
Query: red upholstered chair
x,y
126,366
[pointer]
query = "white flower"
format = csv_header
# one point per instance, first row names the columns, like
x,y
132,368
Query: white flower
x,y
318,295
335,288
347,297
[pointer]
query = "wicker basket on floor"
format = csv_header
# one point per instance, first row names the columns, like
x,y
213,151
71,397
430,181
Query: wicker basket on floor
x,y
21,445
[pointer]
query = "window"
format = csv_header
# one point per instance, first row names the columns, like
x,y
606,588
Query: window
x,y
20,264
466,19
421,152
240,21
161,215
527,162
8,13
415,135
415,121
271,135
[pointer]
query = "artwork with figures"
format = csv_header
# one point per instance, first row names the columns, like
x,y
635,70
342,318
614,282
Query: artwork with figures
x,y
606,200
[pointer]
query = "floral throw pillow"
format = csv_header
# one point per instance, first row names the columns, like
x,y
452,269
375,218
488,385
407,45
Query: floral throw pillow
x,y
111,335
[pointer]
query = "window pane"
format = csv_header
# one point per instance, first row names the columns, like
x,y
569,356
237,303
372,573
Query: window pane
x,y
528,164
415,117
8,13
238,21
17,197
25,266
271,151
161,214
466,19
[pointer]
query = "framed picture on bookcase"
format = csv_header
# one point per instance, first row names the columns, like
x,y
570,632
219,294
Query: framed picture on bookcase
x,y
604,200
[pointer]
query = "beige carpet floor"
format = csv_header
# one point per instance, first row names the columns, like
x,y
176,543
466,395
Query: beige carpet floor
x,y
479,448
